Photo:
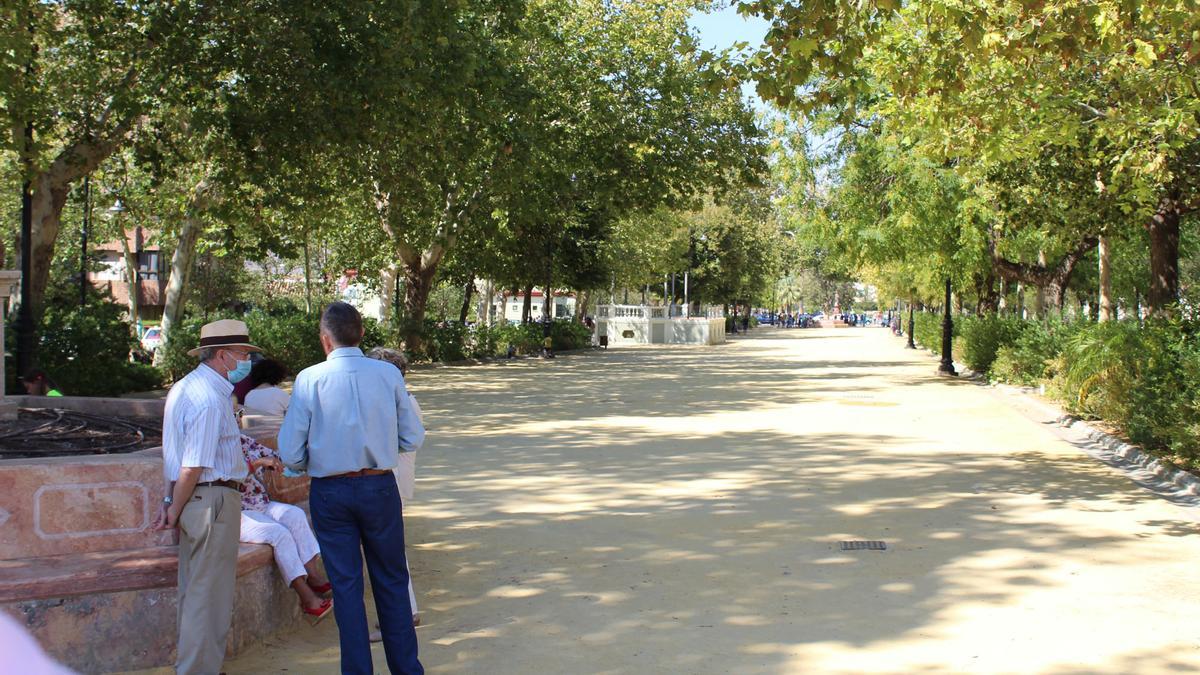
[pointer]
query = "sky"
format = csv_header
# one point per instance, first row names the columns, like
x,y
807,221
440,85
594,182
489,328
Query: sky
x,y
719,30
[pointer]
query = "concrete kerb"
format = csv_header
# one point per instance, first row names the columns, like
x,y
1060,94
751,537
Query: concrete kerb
x,y
1129,456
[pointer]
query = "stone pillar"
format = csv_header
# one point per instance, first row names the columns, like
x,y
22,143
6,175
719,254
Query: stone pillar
x,y
8,280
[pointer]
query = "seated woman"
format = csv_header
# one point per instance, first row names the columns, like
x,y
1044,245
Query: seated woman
x,y
285,528
265,394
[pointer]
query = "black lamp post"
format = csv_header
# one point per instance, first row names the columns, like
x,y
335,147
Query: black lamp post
x,y
24,325
83,238
947,365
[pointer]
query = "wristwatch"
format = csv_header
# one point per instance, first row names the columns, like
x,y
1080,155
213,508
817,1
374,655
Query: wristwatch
x,y
168,500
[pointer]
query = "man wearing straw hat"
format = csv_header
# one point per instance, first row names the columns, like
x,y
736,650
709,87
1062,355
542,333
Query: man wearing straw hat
x,y
203,466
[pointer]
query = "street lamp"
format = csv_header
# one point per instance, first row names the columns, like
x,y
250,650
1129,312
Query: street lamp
x,y
131,269
947,365
83,238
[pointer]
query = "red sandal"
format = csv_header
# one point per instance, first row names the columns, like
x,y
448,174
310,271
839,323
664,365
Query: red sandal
x,y
323,588
314,616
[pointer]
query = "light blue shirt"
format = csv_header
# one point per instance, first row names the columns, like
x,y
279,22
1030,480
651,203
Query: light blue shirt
x,y
348,413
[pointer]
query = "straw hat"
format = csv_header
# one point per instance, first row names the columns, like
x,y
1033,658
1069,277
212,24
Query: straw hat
x,y
224,333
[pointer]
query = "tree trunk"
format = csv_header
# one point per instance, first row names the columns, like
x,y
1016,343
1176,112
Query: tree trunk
x,y
468,292
1039,298
388,277
308,306
177,282
1054,281
489,297
527,306
47,200
1108,311
418,283
989,299
131,278
183,262
548,289
1164,259
50,188
582,300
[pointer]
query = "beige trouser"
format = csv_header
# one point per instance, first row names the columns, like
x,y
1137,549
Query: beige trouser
x,y
208,551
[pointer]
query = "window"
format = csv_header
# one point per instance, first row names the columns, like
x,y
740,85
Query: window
x,y
147,264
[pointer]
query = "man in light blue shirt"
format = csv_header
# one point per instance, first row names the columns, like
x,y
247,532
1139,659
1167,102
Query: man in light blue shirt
x,y
348,420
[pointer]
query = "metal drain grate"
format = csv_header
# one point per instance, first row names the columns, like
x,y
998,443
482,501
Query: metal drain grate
x,y
864,546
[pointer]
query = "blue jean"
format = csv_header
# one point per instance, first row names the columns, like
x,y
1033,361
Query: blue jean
x,y
349,513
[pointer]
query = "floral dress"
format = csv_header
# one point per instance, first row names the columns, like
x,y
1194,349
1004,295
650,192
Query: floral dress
x,y
254,491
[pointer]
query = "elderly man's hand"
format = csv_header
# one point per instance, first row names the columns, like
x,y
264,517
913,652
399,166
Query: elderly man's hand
x,y
160,521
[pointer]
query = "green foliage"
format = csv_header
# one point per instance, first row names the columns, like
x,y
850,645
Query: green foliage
x,y
173,360
85,350
444,342
983,336
1140,379
448,342
287,334
927,330
567,334
1143,379
1030,358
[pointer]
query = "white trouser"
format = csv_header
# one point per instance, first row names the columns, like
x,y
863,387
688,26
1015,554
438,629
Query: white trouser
x,y
406,474
406,478
285,528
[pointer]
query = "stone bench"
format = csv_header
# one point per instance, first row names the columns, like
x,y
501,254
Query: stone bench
x,y
81,569
115,610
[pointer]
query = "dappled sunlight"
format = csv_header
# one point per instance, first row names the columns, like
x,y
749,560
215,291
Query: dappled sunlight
x,y
681,510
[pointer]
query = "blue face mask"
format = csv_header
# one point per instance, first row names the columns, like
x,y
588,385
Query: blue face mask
x,y
240,371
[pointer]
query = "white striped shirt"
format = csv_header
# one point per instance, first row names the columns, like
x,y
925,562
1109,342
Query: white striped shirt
x,y
199,429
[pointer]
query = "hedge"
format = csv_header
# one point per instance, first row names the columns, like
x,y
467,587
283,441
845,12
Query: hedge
x,y
1142,379
293,338
86,349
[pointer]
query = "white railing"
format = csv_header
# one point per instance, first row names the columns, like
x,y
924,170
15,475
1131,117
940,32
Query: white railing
x,y
656,312
621,312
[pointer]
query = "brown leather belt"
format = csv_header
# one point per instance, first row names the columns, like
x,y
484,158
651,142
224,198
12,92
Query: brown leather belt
x,y
360,473
231,484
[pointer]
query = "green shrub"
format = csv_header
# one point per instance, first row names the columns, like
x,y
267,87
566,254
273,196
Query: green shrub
x,y
1026,360
1096,366
446,342
1141,379
1161,409
981,337
525,337
569,334
172,358
927,330
85,350
287,334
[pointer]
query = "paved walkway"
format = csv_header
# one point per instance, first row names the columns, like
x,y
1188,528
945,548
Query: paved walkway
x,y
679,510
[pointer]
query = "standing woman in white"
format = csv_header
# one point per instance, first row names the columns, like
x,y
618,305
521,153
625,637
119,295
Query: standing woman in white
x,y
266,396
406,468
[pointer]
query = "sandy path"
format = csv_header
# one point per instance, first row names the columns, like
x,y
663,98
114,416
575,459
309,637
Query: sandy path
x,y
679,510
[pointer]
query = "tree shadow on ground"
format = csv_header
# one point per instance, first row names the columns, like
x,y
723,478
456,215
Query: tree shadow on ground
x,y
647,510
